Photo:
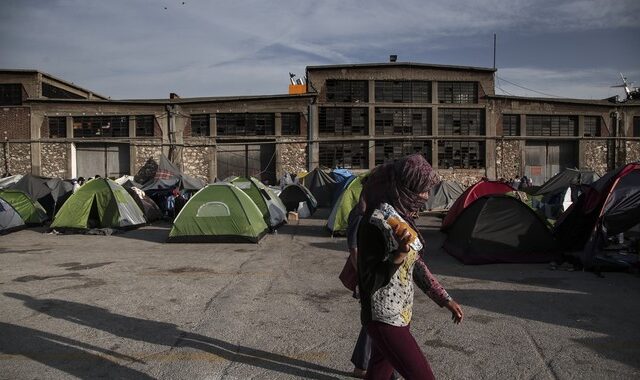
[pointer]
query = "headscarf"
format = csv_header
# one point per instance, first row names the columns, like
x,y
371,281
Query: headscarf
x,y
399,184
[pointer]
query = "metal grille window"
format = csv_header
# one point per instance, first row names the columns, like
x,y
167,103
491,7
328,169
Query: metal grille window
x,y
54,92
10,94
510,125
98,126
549,125
592,126
636,126
145,125
349,91
200,125
57,127
403,91
246,124
403,121
458,92
290,124
456,121
343,121
461,154
389,150
352,155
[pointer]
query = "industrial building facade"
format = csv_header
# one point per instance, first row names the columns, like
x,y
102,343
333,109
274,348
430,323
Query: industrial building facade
x,y
352,116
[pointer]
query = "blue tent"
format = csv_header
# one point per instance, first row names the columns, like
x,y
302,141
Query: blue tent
x,y
342,177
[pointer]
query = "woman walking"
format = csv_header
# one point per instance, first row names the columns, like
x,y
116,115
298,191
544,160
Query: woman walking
x,y
390,260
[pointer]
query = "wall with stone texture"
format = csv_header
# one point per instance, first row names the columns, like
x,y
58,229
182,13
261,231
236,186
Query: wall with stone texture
x,y
595,155
18,157
508,159
293,157
196,158
466,177
633,151
54,160
148,154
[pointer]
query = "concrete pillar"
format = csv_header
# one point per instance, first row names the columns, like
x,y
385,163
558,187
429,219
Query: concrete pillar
x,y
372,91
36,147
213,162
213,125
132,147
434,133
490,144
434,92
314,156
70,149
581,142
523,143
371,144
278,149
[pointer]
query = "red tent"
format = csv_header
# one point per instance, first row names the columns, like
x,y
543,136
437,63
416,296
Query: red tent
x,y
484,187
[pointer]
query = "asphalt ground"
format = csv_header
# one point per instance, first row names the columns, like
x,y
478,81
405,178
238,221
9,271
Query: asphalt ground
x,y
131,306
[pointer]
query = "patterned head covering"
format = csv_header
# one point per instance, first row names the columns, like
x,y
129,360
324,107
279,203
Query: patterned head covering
x,y
399,184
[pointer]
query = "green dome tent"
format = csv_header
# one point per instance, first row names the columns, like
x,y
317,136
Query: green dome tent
x,y
338,219
221,213
10,220
273,210
99,203
31,212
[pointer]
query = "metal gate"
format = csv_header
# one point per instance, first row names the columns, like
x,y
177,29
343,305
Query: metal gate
x,y
545,159
106,160
257,160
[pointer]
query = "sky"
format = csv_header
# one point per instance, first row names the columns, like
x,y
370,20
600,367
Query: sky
x,y
141,49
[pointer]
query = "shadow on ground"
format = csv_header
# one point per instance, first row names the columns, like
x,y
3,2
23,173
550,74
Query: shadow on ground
x,y
154,332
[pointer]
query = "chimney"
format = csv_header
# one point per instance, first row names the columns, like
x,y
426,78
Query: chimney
x,y
173,95
393,58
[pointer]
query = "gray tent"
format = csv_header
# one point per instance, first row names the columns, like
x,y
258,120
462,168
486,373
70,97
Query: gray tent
x,y
10,220
443,195
168,175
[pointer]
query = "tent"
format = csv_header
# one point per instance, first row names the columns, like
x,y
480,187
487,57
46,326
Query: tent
x,y
168,175
31,212
149,208
99,203
51,193
342,177
321,185
562,190
481,188
500,229
10,220
7,182
443,195
338,219
292,195
609,206
271,207
220,212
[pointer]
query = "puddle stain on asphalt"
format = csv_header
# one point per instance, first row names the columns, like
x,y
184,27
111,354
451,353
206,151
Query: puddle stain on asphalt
x,y
25,251
196,271
30,278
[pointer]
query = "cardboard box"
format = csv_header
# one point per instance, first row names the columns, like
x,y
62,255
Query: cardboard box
x,y
292,215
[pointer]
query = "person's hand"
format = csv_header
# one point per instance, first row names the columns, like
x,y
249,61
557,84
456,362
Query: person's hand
x,y
456,311
404,238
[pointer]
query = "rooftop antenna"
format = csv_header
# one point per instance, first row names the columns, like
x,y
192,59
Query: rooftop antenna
x,y
632,92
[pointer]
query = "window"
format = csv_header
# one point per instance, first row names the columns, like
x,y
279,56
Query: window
x,y
57,127
510,125
99,126
592,126
458,92
403,121
353,155
54,92
290,124
389,150
348,91
461,154
636,126
549,125
403,91
343,121
200,125
145,125
246,124
10,94
455,121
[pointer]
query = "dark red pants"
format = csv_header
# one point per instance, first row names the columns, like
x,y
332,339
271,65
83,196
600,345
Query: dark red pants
x,y
395,347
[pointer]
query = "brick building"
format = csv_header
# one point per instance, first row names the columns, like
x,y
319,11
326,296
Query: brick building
x,y
355,116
